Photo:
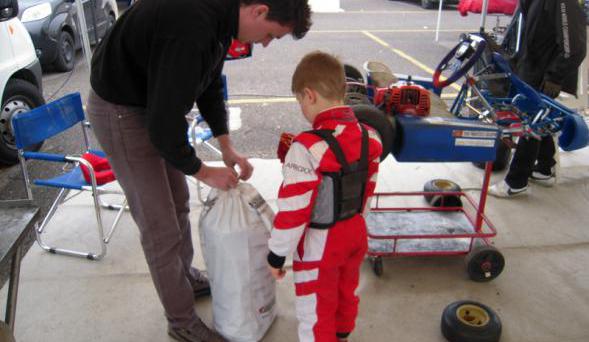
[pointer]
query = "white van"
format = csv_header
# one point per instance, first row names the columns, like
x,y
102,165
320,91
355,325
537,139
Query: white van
x,y
20,76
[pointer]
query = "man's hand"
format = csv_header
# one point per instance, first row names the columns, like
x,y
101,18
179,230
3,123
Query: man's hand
x,y
277,273
551,89
232,157
223,178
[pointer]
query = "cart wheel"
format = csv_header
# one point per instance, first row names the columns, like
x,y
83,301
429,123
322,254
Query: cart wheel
x,y
377,266
468,321
442,185
484,263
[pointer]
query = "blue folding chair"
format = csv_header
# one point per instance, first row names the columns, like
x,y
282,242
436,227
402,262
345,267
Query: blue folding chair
x,y
45,122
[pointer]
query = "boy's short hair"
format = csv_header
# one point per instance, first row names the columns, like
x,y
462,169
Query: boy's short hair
x,y
295,13
321,72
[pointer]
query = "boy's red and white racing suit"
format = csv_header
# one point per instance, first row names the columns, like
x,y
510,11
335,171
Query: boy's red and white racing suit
x,y
326,262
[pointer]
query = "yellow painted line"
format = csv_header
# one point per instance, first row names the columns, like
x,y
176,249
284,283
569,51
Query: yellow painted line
x,y
406,56
449,96
262,100
422,30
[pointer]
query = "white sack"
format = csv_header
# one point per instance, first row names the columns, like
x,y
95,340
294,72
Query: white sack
x,y
234,231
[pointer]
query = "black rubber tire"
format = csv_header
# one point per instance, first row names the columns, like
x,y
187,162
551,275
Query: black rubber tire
x,y
437,185
503,156
483,259
377,119
469,321
427,4
356,92
66,52
353,74
19,96
377,266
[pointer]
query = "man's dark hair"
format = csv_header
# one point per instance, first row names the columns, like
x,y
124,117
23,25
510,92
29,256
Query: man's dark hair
x,y
294,13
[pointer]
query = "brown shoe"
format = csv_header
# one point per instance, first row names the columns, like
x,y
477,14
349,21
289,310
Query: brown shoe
x,y
200,283
197,332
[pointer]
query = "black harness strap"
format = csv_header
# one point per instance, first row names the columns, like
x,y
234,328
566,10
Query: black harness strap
x,y
327,135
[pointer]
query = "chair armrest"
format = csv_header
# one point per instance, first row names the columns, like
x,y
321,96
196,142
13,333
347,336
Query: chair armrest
x,y
45,156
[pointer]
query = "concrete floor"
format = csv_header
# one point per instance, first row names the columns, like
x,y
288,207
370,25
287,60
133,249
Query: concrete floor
x,y
542,295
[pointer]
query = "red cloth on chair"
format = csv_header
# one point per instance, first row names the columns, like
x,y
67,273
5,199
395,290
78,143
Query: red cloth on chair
x,y
102,169
506,7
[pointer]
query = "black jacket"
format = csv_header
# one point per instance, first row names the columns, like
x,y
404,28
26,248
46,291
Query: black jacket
x,y
553,43
163,55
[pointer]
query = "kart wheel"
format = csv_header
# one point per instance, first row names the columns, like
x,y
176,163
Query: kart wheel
x,y
375,118
468,321
66,52
353,74
484,263
356,91
377,266
502,158
442,185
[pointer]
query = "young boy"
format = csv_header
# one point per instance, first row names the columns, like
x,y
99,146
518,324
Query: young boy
x,y
329,176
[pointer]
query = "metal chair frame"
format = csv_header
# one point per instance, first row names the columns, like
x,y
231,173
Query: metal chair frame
x,y
59,116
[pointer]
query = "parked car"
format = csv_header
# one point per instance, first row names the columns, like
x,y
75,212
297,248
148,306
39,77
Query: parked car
x,y
429,4
20,77
53,26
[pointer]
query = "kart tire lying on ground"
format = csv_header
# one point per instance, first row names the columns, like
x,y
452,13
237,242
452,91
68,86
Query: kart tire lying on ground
x,y
469,321
442,185
503,156
377,119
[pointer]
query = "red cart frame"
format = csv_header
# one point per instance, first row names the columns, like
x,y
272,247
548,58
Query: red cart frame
x,y
484,261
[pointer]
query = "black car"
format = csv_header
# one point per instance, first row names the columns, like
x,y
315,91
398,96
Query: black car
x,y
53,26
429,4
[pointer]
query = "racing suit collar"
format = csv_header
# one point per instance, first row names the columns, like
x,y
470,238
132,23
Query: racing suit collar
x,y
338,113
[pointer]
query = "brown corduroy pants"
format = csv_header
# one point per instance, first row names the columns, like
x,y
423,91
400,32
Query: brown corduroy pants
x,y
158,199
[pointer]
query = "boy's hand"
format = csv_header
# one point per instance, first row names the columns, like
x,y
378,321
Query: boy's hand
x,y
277,273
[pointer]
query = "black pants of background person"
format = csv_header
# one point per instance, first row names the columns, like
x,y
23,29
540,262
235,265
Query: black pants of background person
x,y
530,155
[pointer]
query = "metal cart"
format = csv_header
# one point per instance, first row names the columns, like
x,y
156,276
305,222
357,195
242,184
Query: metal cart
x,y
445,230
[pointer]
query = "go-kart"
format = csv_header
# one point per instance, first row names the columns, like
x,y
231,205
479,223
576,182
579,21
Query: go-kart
x,y
517,108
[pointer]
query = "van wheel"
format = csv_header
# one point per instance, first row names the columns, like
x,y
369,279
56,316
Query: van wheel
x,y
19,96
66,54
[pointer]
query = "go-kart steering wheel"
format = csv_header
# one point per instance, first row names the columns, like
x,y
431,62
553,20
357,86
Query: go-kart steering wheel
x,y
460,59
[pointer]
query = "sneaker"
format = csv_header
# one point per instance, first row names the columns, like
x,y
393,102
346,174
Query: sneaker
x,y
503,190
544,179
197,332
200,283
